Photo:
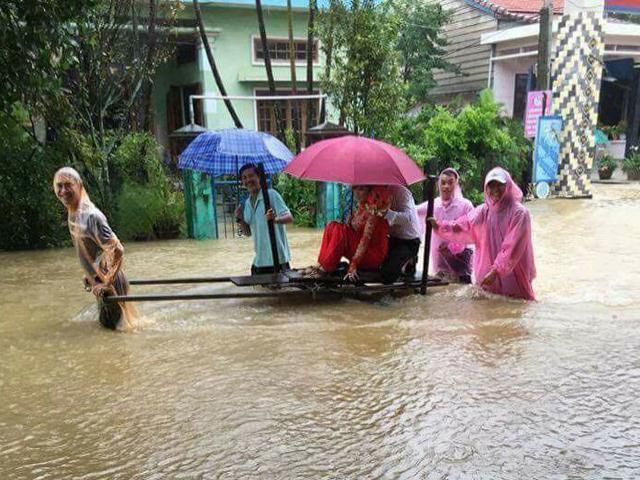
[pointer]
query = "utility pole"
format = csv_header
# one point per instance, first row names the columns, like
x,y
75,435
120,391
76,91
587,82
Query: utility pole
x,y
544,46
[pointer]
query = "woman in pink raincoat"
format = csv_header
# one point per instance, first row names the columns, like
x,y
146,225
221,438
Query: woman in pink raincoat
x,y
450,259
500,228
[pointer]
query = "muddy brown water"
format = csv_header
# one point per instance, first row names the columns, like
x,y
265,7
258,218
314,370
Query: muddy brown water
x,y
455,385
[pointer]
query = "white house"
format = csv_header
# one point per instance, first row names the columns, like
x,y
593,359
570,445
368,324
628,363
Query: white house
x,y
495,45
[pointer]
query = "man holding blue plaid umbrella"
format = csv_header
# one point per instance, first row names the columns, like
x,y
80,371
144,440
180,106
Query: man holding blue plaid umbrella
x,y
253,218
221,153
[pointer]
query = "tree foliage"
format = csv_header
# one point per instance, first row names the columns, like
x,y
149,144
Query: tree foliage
x,y
300,197
30,214
85,70
421,44
380,58
116,56
472,140
37,38
148,208
364,64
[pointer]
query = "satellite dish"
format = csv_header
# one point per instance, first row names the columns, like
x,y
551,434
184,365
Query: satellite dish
x,y
542,190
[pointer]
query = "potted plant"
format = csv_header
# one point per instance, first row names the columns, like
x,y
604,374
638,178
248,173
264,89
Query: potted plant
x,y
608,131
621,130
615,132
606,167
631,166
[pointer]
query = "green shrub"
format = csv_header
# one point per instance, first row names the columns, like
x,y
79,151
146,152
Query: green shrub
x,y
171,221
472,140
290,140
138,209
606,166
409,134
614,132
631,166
300,197
127,181
147,206
137,160
631,163
30,214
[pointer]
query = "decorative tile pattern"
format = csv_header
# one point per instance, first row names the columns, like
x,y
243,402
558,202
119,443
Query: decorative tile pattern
x,y
576,70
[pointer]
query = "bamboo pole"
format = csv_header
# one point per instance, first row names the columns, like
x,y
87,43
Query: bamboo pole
x,y
270,224
176,281
429,186
168,297
340,291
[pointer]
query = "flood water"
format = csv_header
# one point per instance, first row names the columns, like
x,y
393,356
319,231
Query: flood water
x,y
455,385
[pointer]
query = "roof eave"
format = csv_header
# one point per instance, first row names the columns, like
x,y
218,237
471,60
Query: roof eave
x,y
502,13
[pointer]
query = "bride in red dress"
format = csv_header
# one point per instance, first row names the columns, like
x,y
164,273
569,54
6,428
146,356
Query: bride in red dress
x,y
363,239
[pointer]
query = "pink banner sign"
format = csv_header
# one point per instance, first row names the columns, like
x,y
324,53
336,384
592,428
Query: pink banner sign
x,y
535,102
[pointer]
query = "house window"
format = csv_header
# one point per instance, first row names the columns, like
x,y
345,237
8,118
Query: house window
x,y
186,53
178,109
628,48
520,96
279,50
178,106
267,117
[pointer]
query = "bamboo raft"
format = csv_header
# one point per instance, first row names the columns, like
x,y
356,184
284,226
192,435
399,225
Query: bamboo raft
x,y
280,285
291,283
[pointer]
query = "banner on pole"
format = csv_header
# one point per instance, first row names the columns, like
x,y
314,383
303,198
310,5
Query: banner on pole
x,y
546,153
535,108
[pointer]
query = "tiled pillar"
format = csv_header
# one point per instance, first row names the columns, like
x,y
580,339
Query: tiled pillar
x,y
576,71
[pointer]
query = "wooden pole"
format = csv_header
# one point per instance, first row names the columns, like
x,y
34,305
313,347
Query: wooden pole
x,y
429,186
270,224
544,46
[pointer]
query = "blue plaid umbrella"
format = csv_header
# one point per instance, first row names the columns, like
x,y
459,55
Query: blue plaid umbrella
x,y
223,152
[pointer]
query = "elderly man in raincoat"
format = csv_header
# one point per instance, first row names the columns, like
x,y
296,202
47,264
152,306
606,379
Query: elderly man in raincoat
x,y
98,248
500,229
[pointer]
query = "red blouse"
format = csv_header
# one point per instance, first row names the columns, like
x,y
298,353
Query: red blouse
x,y
369,221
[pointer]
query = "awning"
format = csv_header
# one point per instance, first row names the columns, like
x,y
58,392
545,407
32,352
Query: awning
x,y
611,28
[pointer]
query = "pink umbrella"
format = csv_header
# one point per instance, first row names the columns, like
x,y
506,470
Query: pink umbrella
x,y
355,161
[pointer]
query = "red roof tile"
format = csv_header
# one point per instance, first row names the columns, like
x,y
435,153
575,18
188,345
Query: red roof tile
x,y
527,6
520,9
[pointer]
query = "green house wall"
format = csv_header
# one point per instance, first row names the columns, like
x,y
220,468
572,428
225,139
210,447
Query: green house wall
x,y
230,30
